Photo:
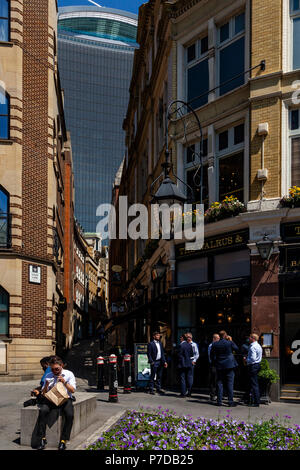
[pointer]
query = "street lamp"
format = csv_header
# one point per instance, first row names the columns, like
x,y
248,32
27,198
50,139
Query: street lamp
x,y
168,192
265,249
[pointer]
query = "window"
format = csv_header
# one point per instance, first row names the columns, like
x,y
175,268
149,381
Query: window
x,y
295,146
197,72
4,219
231,46
4,20
295,19
193,180
192,175
230,144
4,311
4,114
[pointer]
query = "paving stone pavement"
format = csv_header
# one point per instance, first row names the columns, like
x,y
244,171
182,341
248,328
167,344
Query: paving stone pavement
x,y
12,396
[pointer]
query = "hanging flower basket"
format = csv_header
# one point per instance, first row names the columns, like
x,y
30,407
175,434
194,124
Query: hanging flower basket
x,y
293,199
229,207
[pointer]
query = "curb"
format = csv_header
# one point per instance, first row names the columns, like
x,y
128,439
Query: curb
x,y
105,427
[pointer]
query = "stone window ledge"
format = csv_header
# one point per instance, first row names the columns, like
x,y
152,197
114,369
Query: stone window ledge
x,y
6,142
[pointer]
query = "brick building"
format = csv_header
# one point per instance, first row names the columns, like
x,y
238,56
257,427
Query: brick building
x,y
35,192
237,63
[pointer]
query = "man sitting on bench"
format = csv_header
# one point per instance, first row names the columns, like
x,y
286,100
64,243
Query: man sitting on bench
x,y
57,374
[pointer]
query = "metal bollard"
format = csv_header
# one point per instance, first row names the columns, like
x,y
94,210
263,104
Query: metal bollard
x,y
127,373
100,373
113,379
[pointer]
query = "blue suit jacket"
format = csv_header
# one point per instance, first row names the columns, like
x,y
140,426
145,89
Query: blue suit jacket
x,y
184,355
221,354
152,352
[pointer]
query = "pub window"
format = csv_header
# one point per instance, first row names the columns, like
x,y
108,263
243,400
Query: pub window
x,y
231,53
295,26
197,77
192,172
4,21
4,114
193,180
230,145
4,218
4,312
294,125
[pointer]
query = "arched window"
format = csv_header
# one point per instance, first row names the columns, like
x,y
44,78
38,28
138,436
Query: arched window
x,y
4,114
4,311
4,218
4,20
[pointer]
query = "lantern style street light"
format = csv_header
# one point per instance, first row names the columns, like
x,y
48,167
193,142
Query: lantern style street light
x,y
265,249
168,192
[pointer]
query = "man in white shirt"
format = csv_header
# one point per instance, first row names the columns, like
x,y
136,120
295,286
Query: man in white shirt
x,y
57,374
157,360
253,363
194,358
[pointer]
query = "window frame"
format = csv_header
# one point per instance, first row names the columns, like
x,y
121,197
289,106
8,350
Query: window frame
x,y
231,150
7,96
8,219
292,134
8,22
220,46
199,57
293,14
193,165
5,335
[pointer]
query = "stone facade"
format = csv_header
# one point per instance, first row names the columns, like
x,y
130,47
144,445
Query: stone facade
x,y
32,172
264,96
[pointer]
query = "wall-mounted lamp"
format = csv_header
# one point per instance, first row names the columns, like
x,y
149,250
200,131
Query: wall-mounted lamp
x,y
267,343
265,249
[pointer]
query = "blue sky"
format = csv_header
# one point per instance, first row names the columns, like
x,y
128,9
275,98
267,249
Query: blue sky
x,y
128,5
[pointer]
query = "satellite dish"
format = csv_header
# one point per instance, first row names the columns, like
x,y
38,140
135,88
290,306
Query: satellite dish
x,y
116,268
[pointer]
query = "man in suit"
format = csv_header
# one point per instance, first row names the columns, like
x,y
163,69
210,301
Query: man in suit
x,y
221,355
156,358
185,366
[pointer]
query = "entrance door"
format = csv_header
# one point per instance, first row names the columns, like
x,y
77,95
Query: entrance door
x,y
291,348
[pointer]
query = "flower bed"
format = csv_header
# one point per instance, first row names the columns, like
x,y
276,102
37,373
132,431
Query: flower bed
x,y
163,430
229,207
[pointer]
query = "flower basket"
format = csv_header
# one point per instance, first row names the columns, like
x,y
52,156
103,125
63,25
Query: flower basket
x,y
229,207
293,199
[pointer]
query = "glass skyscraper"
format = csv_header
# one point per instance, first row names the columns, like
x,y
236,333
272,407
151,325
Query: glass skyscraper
x,y
95,57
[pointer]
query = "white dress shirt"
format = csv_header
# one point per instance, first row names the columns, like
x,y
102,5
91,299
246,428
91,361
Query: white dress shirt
x,y
69,377
208,351
158,357
254,353
195,351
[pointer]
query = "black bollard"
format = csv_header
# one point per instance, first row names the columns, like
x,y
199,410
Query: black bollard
x,y
100,373
127,373
113,379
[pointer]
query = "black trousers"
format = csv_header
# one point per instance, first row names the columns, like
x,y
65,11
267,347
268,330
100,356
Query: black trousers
x,y
212,378
253,370
156,368
68,411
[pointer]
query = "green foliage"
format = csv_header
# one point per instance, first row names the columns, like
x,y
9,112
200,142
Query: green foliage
x,y
267,373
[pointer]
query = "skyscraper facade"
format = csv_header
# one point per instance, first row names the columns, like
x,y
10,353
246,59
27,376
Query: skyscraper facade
x,y
95,53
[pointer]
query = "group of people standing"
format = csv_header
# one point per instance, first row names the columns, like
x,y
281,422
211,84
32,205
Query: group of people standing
x,y
222,366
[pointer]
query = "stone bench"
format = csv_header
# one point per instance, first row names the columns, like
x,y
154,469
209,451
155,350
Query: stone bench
x,y
84,415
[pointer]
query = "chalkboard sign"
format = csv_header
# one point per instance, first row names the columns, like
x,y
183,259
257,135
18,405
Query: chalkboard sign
x,y
142,366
